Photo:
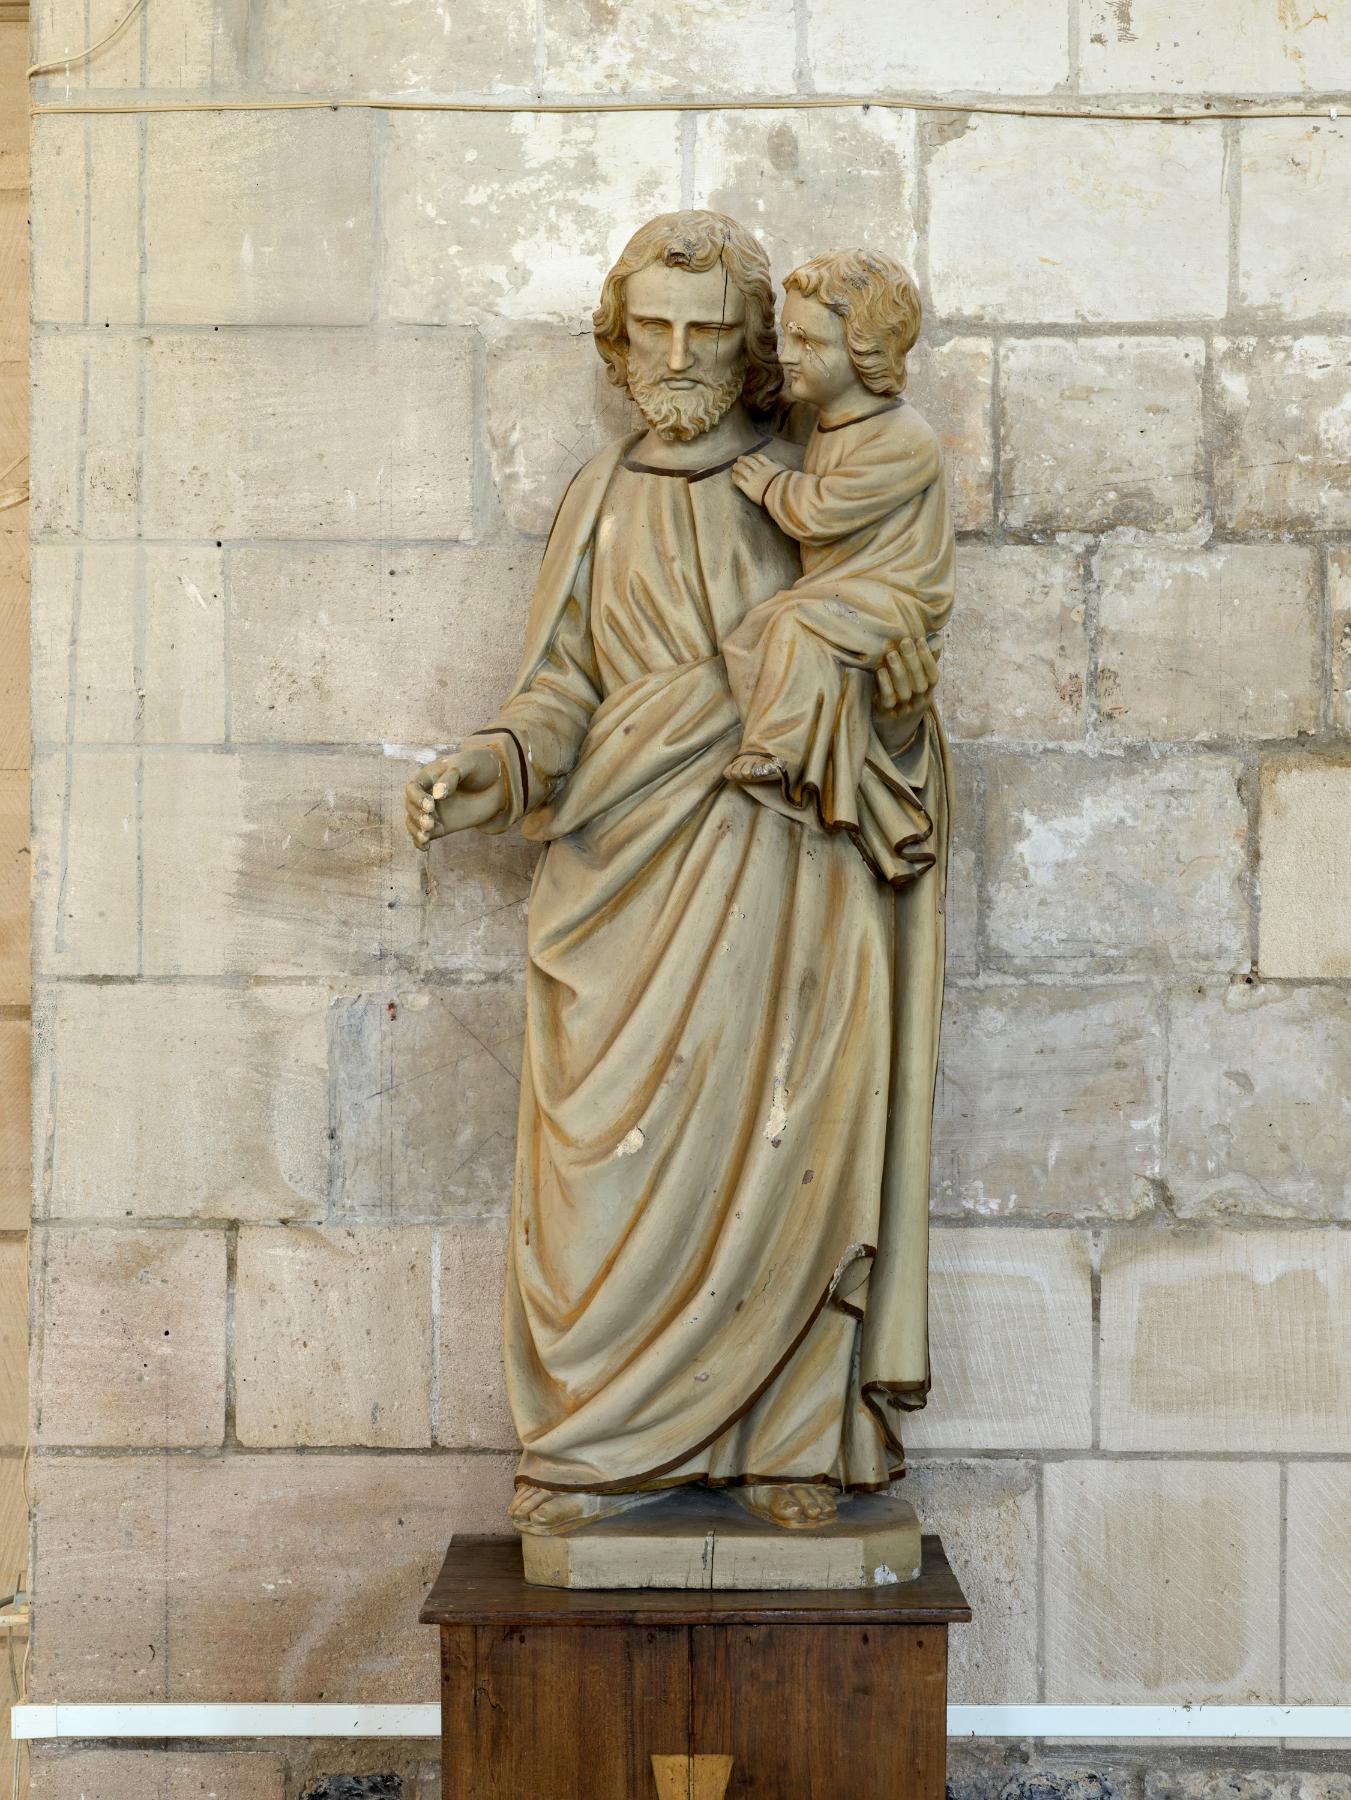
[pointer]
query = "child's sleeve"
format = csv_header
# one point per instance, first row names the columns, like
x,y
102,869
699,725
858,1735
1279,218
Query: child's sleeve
x,y
817,509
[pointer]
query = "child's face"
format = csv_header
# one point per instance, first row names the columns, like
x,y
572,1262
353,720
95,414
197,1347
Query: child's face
x,y
813,352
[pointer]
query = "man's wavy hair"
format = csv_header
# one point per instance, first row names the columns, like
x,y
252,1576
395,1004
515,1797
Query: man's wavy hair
x,y
879,304
697,241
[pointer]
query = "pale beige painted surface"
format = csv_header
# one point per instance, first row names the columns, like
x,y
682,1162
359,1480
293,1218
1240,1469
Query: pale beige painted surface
x,y
286,543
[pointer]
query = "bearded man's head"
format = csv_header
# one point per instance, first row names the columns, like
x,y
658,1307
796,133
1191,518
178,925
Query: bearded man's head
x,y
685,363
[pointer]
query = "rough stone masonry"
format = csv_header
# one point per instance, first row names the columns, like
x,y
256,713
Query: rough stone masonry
x,y
307,387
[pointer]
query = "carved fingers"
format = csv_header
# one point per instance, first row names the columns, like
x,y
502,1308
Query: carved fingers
x,y
452,794
906,673
753,474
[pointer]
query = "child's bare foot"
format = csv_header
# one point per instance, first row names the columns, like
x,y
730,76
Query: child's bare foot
x,y
795,1505
754,768
545,1512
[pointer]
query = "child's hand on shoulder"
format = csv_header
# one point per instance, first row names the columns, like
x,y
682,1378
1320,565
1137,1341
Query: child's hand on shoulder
x,y
753,474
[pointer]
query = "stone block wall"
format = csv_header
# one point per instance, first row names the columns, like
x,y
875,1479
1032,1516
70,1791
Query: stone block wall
x,y
307,388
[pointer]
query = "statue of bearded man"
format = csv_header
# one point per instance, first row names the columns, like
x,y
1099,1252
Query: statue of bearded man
x,y
717,1268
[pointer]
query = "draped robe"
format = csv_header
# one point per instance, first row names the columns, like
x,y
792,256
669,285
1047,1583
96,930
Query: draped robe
x,y
717,1264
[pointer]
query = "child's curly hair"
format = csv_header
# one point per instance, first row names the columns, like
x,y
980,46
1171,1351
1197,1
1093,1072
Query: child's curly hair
x,y
879,304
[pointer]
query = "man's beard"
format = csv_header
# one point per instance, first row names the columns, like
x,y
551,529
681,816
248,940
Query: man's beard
x,y
684,413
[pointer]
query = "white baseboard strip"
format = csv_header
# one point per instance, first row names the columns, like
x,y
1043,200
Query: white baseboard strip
x,y
1086,1724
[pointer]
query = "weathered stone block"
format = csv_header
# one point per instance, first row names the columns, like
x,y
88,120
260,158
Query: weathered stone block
x,y
85,463
973,46
409,46
86,181
300,864
147,624
1339,607
637,46
1014,225
1283,439
994,1769
1011,1322
13,1344
1247,1783
187,44
131,1344
1296,176
1226,1341
986,1512
951,385
1087,861
16,1169
255,219
1050,1102
1318,1592
16,864
85,912
1208,643
158,1584
83,1774
1259,49
333,1336
426,1091
473,1409
475,907
550,408
1257,1120
1162,1582
516,217
1015,656
1304,855
288,434
315,631
222,1113
771,170
1101,432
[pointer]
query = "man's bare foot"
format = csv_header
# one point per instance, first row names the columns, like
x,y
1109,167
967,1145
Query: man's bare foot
x,y
547,1513
754,768
795,1505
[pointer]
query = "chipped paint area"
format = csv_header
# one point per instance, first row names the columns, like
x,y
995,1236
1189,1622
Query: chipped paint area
x,y
777,1122
632,1142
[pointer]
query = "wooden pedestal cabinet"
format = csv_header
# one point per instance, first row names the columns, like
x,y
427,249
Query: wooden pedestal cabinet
x,y
547,1694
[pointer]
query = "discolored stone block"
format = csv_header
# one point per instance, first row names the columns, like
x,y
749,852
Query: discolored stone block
x,y
85,1774
1050,1102
158,1584
131,1344
86,262
16,1168
1208,643
1102,432
1339,602
638,46
1281,444
333,1336
86,467
951,385
1257,1123
1226,1341
258,219
322,434
550,409
221,1114
85,902
1010,1332
975,46
316,629
986,1513
1154,48
1318,1594
409,46
301,864
1296,176
1162,1583
1015,655
769,170
1014,230
472,1387
426,1089
1087,862
1304,859
542,204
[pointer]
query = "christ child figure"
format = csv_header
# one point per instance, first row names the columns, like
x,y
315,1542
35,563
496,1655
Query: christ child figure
x,y
869,508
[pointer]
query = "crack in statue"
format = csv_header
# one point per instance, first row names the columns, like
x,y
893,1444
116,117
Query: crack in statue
x,y
723,733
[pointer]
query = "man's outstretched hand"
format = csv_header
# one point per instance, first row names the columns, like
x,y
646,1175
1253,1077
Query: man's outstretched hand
x,y
465,789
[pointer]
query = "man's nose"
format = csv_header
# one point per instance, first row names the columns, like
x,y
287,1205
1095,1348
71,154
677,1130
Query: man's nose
x,y
678,357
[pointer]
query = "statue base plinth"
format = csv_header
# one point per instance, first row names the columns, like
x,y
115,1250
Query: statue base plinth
x,y
698,1538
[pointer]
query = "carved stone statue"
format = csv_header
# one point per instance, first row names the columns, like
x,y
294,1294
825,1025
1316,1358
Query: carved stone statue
x,y
723,733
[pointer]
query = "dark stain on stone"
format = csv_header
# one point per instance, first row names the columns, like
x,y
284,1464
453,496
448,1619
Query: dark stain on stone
x,y
782,147
356,1787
